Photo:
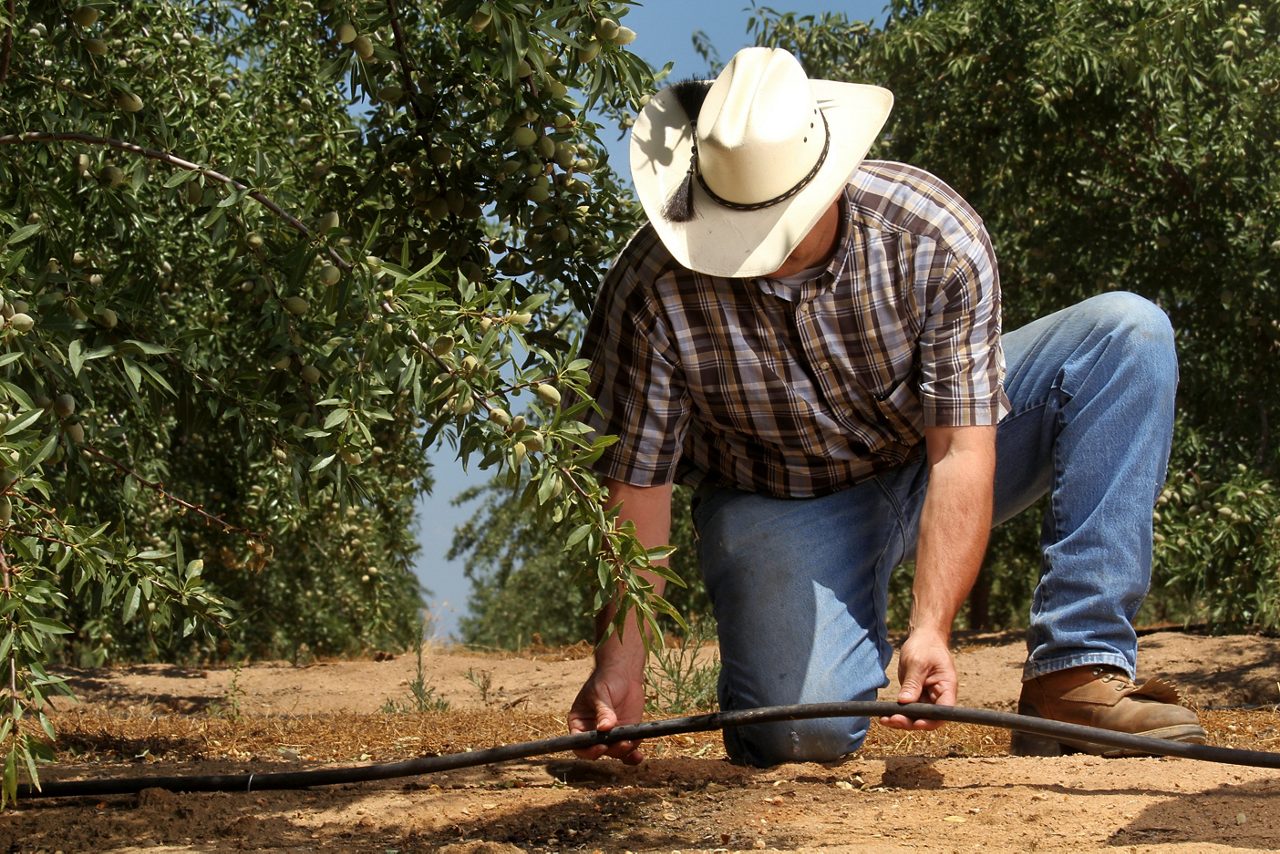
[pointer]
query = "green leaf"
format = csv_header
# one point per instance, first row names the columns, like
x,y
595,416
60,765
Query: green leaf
x,y
47,626
336,417
322,463
75,356
131,602
22,234
22,422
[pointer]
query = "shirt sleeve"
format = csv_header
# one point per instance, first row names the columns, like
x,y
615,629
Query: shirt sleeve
x,y
961,359
635,378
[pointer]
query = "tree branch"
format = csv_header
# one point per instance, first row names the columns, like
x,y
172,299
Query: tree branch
x,y
159,487
35,137
6,572
6,49
406,67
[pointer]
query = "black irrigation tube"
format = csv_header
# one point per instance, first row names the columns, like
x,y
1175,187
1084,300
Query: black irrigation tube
x,y
651,729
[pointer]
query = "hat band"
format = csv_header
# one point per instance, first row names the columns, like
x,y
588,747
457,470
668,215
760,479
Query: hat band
x,y
778,199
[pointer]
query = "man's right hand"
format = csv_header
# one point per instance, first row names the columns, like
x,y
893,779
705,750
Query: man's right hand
x,y
608,699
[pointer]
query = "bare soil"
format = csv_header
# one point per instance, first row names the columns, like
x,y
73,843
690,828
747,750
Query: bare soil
x,y
954,790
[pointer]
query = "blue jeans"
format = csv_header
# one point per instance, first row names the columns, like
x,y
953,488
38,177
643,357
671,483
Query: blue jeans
x,y
800,586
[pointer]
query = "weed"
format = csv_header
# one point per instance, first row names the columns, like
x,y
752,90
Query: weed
x,y
681,680
423,697
229,705
483,682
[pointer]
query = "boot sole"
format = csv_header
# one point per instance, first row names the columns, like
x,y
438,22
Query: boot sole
x,y
1026,744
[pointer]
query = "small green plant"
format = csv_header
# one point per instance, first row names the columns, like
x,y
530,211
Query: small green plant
x,y
483,680
423,696
682,679
230,704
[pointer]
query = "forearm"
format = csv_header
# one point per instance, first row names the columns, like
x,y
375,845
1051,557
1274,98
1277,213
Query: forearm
x,y
649,510
955,524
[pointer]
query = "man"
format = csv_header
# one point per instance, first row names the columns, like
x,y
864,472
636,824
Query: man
x,y
815,341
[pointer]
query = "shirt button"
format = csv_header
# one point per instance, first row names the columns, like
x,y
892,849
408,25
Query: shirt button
x,y
826,366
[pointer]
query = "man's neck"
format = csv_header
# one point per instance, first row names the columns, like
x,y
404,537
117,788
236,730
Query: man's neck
x,y
817,247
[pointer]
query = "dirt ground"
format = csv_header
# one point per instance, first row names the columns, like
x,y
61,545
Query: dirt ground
x,y
954,790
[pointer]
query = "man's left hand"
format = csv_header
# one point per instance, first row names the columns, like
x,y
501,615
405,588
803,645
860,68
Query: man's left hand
x,y
927,674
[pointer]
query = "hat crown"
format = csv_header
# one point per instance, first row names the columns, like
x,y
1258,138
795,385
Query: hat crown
x,y
759,132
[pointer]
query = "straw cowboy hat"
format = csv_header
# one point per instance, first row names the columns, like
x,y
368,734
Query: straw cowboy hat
x,y
734,172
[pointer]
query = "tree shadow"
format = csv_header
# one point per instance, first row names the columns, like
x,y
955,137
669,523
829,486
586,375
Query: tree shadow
x,y
1240,816
1249,680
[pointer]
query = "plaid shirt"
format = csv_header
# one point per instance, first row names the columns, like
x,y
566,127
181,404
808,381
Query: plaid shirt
x,y
805,390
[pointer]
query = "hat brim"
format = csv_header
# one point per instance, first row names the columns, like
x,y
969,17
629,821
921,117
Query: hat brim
x,y
722,241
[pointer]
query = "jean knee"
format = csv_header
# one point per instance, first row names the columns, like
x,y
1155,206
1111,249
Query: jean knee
x,y
1144,329
817,740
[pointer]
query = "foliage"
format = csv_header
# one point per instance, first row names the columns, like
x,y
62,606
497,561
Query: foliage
x,y
524,588
1121,144
255,259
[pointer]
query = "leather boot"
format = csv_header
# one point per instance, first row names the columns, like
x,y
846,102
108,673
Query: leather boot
x,y
1103,697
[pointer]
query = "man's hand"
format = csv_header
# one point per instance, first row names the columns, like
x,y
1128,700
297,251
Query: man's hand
x,y
927,674
608,699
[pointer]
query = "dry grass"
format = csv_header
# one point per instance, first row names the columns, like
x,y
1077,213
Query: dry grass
x,y
111,738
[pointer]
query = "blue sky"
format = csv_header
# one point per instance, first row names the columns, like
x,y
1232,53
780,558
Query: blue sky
x,y
665,31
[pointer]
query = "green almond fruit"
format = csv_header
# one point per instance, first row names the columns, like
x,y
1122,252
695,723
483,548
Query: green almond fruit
x,y
500,417
346,33
95,47
112,176
625,35
22,323
480,20
363,46
86,16
75,432
64,405
107,318
518,452
330,275
329,221
310,374
606,29
6,512
128,102
590,52
296,306
548,394
443,345
523,137
254,240
523,69
391,94
547,147
438,208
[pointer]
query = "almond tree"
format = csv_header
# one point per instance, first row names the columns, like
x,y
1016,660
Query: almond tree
x,y
256,259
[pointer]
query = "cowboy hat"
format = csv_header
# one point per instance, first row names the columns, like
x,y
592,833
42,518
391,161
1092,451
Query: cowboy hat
x,y
733,173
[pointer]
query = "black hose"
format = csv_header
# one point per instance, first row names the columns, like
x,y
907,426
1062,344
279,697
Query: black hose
x,y
651,729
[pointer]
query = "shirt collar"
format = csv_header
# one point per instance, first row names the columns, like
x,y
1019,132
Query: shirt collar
x,y
810,283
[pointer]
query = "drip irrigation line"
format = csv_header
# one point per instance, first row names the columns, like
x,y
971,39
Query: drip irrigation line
x,y
652,729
